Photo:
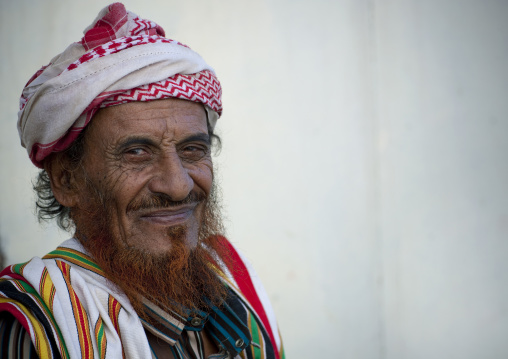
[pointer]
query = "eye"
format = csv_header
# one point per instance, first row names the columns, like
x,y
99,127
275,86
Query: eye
x,y
135,151
194,152
137,154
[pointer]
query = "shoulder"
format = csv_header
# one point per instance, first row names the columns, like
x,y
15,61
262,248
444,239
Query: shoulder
x,y
244,280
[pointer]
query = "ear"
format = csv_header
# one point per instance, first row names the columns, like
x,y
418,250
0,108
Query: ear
x,y
63,181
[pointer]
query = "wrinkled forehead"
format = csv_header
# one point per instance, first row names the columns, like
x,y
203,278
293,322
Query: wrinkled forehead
x,y
120,59
170,119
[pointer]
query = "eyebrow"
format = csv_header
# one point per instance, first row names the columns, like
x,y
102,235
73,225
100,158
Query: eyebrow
x,y
200,137
136,140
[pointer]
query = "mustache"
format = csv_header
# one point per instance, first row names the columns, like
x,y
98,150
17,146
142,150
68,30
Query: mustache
x,y
162,200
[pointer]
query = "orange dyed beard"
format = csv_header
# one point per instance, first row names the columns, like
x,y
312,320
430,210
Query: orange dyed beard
x,y
181,277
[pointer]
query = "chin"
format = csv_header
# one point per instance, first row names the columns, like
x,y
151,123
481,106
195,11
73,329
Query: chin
x,y
163,243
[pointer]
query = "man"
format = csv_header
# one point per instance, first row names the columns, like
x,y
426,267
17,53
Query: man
x,y
121,124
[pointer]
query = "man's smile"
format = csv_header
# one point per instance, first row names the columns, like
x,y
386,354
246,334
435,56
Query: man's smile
x,y
168,216
121,124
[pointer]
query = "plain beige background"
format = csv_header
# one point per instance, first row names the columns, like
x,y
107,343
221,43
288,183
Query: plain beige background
x,y
364,167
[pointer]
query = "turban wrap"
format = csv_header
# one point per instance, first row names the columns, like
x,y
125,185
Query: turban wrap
x,y
121,58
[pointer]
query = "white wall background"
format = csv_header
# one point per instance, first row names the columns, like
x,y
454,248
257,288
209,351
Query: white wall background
x,y
364,167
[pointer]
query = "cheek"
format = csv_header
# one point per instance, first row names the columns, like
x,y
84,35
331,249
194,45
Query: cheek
x,y
203,177
128,186
119,187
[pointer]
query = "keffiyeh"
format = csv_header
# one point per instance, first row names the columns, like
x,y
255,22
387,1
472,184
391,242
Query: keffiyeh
x,y
121,58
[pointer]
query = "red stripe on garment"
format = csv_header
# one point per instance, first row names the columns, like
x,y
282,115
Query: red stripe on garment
x,y
242,278
11,308
15,276
83,321
6,271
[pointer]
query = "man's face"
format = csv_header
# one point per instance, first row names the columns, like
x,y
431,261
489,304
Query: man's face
x,y
151,162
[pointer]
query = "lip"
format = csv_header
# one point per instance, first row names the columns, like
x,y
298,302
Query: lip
x,y
168,216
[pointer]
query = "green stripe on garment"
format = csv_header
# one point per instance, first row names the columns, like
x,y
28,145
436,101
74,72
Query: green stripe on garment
x,y
27,288
36,300
18,268
74,258
101,337
255,336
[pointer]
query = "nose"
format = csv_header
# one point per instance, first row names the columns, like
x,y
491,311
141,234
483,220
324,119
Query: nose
x,y
171,178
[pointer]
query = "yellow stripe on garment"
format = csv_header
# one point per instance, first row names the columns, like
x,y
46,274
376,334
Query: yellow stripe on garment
x,y
258,352
114,308
27,289
80,316
100,337
225,278
253,325
18,268
75,257
281,349
47,289
42,346
249,318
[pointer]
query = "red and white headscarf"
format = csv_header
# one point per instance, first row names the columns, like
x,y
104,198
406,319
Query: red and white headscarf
x,y
121,58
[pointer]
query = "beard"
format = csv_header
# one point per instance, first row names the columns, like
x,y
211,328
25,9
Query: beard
x,y
180,279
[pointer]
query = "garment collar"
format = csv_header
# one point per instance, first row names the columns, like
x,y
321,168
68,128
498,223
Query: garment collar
x,y
222,323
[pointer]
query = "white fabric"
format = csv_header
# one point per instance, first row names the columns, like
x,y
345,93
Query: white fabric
x,y
64,98
93,291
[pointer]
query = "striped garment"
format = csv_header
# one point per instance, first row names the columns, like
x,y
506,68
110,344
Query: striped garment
x,y
61,306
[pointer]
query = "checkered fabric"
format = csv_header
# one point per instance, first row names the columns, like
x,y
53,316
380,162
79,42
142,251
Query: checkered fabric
x,y
121,58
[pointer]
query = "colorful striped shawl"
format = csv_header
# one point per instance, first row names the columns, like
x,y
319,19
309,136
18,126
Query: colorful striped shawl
x,y
71,310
